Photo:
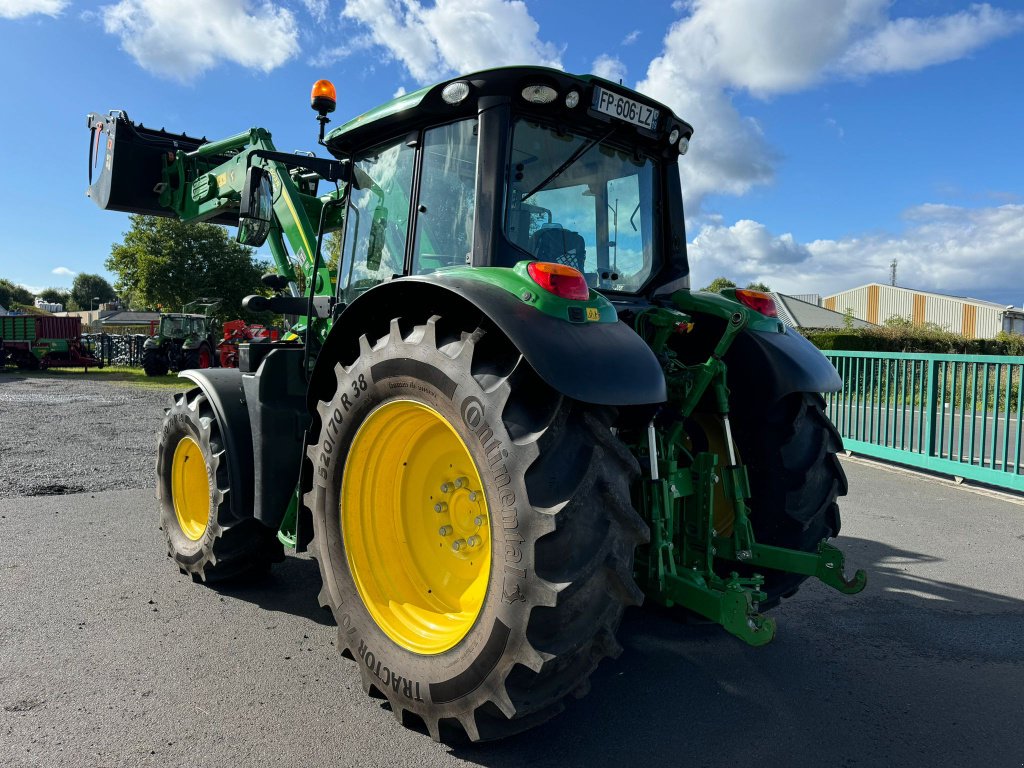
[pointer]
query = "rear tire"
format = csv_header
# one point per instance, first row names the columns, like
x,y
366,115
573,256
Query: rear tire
x,y
203,539
556,487
795,481
200,357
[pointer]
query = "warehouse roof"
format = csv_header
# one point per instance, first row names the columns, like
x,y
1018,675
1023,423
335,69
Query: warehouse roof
x,y
797,313
129,318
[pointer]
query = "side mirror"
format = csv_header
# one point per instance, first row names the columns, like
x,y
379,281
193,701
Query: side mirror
x,y
375,249
256,210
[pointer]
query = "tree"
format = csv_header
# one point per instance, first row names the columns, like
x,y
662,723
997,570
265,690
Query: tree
x,y
11,294
167,262
759,286
719,284
89,291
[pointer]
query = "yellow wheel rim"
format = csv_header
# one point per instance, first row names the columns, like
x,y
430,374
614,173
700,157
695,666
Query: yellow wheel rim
x,y
415,526
190,489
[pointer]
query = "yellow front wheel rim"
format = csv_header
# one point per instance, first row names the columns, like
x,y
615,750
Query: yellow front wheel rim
x,y
415,525
190,489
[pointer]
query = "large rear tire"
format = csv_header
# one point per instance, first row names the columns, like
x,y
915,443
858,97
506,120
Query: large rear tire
x,y
795,480
200,357
203,539
438,433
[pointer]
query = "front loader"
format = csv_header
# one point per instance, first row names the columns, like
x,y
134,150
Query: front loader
x,y
504,417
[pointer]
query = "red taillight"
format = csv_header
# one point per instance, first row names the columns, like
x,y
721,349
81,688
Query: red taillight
x,y
757,301
563,281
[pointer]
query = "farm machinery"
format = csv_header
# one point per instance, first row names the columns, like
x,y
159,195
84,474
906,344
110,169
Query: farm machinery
x,y
506,417
34,341
239,332
183,340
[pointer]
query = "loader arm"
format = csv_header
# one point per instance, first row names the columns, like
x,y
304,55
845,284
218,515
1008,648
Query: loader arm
x,y
143,170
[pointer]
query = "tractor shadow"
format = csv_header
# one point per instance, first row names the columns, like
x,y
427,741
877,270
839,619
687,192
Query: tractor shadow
x,y
290,587
909,672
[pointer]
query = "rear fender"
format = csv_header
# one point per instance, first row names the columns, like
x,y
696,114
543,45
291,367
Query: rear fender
x,y
604,363
767,366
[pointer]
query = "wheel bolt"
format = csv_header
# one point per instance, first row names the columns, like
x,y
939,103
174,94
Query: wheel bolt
x,y
458,544
461,482
472,495
445,487
445,530
440,507
473,541
478,520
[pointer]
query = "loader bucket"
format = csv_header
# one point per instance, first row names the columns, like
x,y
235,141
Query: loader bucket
x,y
126,164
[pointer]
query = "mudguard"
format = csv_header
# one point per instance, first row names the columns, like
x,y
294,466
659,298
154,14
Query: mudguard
x,y
263,419
604,363
224,391
779,364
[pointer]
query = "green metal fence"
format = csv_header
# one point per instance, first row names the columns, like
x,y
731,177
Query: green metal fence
x,y
956,414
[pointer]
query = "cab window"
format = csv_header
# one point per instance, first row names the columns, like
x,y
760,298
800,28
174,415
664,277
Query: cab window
x,y
444,221
377,219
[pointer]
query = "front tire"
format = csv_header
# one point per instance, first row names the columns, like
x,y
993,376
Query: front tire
x,y
203,539
559,533
154,362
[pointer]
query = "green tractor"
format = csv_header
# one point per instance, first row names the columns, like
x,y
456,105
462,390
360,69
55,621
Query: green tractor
x,y
183,341
506,417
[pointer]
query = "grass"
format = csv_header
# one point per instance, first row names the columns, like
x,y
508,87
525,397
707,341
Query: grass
x,y
131,377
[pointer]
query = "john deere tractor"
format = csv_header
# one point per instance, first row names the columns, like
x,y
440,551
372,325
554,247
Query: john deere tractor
x,y
506,417
183,340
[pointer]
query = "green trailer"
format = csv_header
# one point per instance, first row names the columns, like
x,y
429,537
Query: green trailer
x,y
507,417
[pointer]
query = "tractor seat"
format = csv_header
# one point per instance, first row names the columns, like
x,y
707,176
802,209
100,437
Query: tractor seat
x,y
561,246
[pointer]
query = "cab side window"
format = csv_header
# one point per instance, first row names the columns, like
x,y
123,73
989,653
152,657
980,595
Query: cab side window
x,y
444,223
377,219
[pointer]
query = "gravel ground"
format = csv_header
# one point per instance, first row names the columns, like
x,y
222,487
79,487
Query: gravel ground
x,y
70,433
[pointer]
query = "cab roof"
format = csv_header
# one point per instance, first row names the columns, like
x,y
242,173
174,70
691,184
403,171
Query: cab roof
x,y
426,106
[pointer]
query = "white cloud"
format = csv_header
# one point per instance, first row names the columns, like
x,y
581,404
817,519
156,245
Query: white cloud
x,y
947,249
317,9
454,35
609,67
631,38
905,44
724,46
63,271
17,9
181,39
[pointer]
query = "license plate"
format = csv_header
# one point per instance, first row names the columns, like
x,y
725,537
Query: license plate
x,y
625,108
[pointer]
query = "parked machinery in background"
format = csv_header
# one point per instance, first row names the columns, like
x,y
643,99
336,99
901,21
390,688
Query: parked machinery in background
x,y
239,332
183,340
34,341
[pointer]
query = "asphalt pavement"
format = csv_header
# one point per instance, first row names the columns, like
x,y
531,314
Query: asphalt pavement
x,y
109,657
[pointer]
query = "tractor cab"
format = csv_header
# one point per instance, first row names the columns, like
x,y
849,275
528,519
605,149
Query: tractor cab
x,y
510,165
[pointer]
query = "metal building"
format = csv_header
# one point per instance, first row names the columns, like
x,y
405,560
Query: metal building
x,y
973,318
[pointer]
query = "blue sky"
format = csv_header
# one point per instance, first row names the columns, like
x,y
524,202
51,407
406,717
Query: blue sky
x,y
832,136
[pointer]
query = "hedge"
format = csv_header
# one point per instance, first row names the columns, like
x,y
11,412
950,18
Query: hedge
x,y
927,340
